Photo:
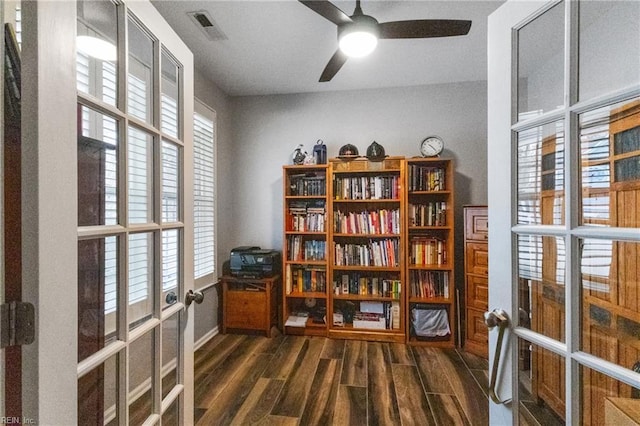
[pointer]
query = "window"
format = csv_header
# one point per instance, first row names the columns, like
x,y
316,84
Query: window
x,y
204,194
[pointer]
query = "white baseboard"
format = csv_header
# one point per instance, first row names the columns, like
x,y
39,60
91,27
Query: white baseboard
x,y
204,339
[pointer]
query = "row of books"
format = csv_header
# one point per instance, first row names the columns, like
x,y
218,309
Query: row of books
x,y
307,184
428,284
300,280
428,251
307,216
382,221
426,178
383,253
300,249
376,316
430,214
366,188
367,286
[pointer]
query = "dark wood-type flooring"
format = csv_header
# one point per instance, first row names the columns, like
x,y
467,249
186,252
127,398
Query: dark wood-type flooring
x,y
295,380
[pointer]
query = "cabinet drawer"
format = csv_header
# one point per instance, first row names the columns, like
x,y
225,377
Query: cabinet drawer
x,y
477,257
476,224
477,292
246,309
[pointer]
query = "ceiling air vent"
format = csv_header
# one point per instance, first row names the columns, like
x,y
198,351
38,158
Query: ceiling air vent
x,y
207,25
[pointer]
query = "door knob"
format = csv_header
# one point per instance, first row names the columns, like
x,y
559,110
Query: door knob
x,y
193,296
171,298
496,317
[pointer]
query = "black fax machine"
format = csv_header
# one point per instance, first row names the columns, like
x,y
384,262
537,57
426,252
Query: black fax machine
x,y
254,262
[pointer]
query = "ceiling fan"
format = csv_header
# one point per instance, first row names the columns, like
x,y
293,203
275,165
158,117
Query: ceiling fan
x,y
358,34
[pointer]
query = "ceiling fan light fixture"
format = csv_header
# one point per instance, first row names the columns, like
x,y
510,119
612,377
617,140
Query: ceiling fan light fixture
x,y
358,44
360,37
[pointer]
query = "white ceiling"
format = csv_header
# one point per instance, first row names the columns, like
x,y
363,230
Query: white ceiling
x,y
278,47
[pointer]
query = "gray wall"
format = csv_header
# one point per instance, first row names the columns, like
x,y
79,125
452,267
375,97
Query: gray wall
x,y
266,129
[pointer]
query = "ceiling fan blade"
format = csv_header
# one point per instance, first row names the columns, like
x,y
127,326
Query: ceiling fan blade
x,y
328,11
424,28
335,63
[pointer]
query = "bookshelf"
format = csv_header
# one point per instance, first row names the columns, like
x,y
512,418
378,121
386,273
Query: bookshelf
x,y
366,253
429,244
304,256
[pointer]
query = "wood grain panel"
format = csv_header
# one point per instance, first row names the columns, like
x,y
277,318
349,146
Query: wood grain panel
x,y
447,410
334,349
474,404
212,384
351,406
400,354
294,393
214,351
272,420
432,374
322,395
259,402
354,369
382,402
474,362
412,402
286,355
224,407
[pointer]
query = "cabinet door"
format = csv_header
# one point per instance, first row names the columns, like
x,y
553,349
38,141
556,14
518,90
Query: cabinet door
x,y
477,292
477,258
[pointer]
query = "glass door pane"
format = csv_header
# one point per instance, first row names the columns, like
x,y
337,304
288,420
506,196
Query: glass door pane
x,y
540,175
541,63
141,73
140,152
170,96
604,24
97,54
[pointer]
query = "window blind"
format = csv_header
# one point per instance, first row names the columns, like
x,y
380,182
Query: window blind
x,y
204,192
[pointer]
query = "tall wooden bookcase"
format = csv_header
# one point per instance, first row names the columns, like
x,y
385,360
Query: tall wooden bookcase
x,y
304,257
429,225
366,205
381,266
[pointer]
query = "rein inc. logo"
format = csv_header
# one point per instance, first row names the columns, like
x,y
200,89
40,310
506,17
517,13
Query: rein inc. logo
x,y
17,421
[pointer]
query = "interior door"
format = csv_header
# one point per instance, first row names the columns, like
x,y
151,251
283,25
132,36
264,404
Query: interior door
x,y
564,200
135,226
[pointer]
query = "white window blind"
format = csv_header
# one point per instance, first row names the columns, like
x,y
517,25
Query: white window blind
x,y
204,192
169,259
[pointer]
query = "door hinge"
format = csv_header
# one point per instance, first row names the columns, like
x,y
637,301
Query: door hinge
x,y
17,324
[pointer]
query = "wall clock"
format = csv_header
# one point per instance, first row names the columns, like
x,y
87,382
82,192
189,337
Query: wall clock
x,y
431,146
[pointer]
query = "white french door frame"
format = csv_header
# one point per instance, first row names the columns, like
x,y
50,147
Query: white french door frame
x,y
503,128
50,229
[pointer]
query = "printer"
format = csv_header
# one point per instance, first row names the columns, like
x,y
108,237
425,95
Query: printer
x,y
254,262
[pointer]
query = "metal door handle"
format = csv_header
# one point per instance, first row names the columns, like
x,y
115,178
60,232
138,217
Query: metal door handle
x,y
193,296
497,317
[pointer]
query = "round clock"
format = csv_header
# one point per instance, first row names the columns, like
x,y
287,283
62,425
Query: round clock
x,y
431,146
310,302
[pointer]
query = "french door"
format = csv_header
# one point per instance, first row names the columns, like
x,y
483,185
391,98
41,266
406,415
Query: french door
x,y
564,210
109,201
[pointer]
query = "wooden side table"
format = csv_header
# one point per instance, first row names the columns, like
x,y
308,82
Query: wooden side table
x,y
250,303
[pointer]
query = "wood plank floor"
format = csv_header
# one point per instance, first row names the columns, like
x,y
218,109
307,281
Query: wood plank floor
x,y
295,380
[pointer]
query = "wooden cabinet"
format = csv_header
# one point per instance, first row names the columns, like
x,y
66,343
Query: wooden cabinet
x,y
366,205
250,304
429,242
304,254
476,267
